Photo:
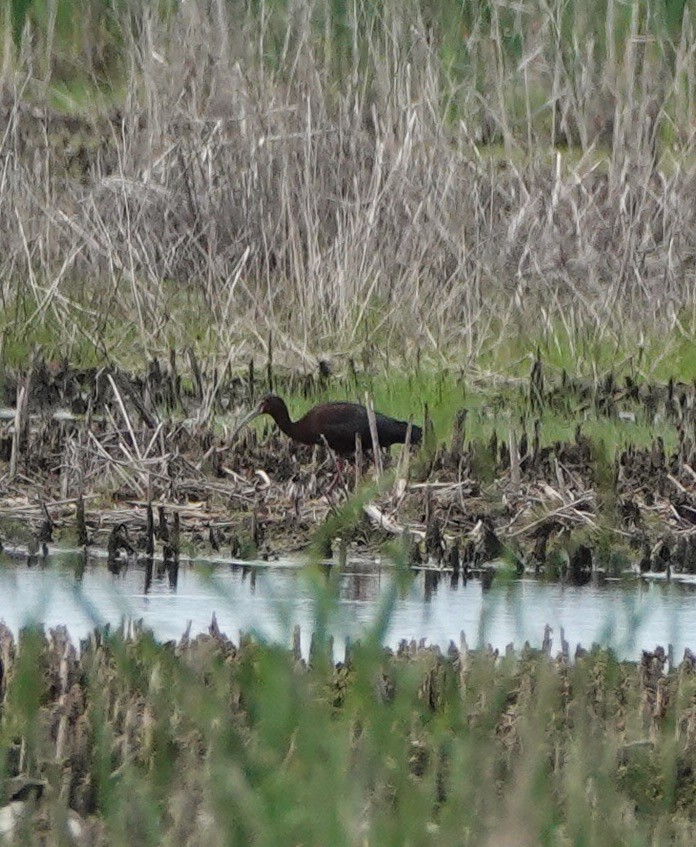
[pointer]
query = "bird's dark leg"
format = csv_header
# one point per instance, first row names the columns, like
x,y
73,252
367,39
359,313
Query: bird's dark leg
x,y
338,476
339,465
332,484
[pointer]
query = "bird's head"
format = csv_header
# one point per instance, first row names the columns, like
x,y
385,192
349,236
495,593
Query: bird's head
x,y
271,404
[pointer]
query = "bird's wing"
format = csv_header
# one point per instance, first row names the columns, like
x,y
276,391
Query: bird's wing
x,y
341,426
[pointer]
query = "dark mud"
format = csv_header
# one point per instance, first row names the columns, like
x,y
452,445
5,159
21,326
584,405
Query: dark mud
x,y
140,464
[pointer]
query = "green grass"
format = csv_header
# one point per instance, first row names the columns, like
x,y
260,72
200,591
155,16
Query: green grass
x,y
239,746
178,318
642,354
493,387
489,409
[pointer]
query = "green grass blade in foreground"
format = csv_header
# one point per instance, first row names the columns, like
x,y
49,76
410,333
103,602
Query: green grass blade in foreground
x,y
341,521
19,11
223,746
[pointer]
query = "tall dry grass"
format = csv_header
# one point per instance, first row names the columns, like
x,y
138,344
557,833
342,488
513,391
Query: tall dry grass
x,y
347,177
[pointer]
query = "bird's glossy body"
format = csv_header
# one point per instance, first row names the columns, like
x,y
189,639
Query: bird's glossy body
x,y
339,423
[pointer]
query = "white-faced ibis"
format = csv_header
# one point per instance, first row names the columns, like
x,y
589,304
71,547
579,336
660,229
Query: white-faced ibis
x,y
338,423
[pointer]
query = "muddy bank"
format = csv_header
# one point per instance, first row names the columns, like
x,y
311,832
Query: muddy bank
x,y
142,464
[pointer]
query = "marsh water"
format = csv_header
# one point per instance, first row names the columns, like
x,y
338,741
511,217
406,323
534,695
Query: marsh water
x,y
269,599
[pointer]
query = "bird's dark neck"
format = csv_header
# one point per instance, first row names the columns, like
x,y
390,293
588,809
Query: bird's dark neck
x,y
282,417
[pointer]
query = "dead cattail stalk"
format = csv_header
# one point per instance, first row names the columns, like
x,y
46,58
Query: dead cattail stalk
x,y
21,425
358,461
81,523
514,458
374,436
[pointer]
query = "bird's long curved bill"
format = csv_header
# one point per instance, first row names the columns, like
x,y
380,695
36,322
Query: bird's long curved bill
x,y
246,420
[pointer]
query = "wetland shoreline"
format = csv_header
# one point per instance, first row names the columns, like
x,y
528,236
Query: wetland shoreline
x,y
128,463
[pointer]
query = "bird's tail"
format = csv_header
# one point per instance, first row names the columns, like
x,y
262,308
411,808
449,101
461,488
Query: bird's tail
x,y
392,431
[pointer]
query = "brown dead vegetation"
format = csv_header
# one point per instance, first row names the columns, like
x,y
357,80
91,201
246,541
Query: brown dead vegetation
x,y
131,472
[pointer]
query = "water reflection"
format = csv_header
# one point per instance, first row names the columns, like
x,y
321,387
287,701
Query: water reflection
x,y
270,599
359,585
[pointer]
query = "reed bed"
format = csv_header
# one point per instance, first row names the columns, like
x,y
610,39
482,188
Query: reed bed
x,y
206,742
568,479
393,181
